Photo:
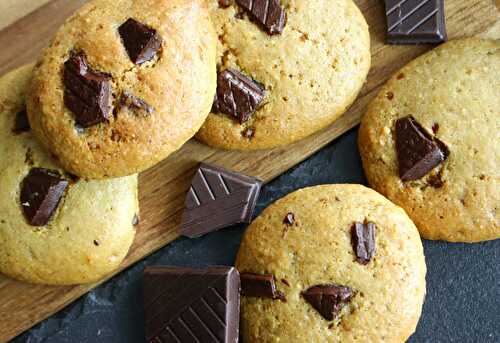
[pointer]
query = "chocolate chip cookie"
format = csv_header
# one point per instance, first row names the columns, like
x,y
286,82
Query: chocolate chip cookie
x,y
54,227
429,141
124,84
331,263
286,69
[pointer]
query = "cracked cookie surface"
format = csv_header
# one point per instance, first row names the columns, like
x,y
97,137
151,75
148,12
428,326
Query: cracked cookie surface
x,y
173,73
311,72
316,249
452,92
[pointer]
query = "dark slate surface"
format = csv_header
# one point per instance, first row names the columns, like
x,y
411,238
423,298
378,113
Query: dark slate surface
x,y
463,281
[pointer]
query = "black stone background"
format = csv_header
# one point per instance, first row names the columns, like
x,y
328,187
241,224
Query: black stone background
x,y
463,280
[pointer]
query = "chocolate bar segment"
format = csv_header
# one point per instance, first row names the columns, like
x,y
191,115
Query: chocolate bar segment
x,y
218,198
237,95
418,152
41,192
268,13
415,21
191,305
363,241
328,299
141,42
260,286
87,93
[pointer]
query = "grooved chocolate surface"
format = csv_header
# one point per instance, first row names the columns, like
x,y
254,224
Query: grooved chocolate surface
x,y
191,305
363,241
329,299
87,93
260,285
268,13
218,198
415,21
141,42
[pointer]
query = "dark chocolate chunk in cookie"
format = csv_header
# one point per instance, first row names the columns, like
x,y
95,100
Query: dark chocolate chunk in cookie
x,y
418,152
363,241
329,299
87,93
260,285
21,123
237,95
141,42
289,219
135,103
41,192
268,13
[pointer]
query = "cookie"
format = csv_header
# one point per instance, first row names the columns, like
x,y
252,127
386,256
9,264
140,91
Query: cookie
x,y
286,77
55,228
345,263
445,102
124,84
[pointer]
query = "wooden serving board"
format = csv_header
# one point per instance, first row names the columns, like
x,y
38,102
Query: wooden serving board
x,y
163,188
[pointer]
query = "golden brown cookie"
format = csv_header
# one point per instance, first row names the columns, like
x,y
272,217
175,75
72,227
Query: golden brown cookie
x,y
335,285
308,75
446,100
124,84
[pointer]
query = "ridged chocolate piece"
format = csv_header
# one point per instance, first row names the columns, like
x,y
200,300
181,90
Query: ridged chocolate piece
x,y
237,95
268,13
329,299
415,21
418,152
218,198
87,93
21,123
363,241
260,286
41,192
135,103
141,42
191,305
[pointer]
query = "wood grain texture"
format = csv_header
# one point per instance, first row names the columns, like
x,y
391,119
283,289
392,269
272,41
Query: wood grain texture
x,y
162,189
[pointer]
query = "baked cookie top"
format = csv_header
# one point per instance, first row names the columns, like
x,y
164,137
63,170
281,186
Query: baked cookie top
x,y
54,227
307,241
449,97
124,84
308,74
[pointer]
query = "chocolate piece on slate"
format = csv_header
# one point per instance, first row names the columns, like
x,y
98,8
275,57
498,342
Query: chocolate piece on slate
x,y
261,286
141,42
363,241
87,93
418,152
135,103
191,305
21,123
41,192
329,299
218,198
289,219
267,13
237,95
415,21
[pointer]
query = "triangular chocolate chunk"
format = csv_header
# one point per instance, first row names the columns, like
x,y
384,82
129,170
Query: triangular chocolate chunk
x,y
329,299
218,198
363,241
141,42
418,152
191,305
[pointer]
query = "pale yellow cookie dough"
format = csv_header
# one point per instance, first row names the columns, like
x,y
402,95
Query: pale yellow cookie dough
x,y
317,249
455,89
90,232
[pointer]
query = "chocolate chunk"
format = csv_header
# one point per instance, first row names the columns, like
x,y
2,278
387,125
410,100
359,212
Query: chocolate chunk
x,y
191,305
261,286
363,241
418,152
329,299
268,13
41,192
135,103
289,219
21,123
237,95
87,92
415,21
141,42
218,198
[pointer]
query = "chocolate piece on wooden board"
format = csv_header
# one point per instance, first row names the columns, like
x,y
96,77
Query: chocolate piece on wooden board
x,y
415,21
328,299
141,42
218,198
363,241
260,286
191,304
268,13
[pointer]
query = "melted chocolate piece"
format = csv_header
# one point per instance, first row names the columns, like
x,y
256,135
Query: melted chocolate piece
x,y
363,241
329,299
268,13
141,42
261,286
